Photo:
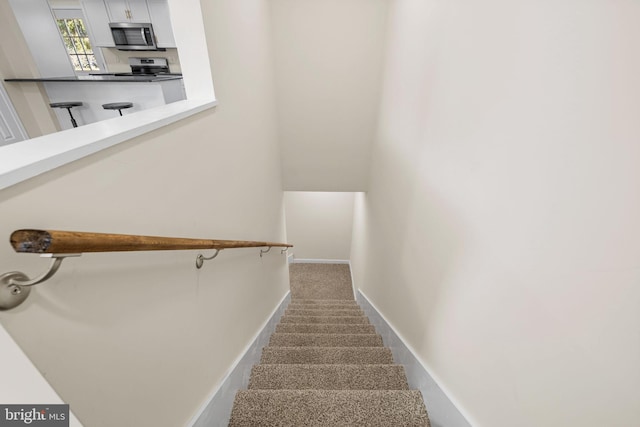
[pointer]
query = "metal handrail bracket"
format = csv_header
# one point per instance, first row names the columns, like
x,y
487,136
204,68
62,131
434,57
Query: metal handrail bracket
x,y
15,285
262,251
200,259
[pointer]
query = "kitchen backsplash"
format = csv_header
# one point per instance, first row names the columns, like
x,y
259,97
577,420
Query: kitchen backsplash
x,y
118,61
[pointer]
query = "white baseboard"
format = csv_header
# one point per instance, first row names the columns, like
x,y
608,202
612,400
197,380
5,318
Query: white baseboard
x,y
216,410
442,408
353,282
319,261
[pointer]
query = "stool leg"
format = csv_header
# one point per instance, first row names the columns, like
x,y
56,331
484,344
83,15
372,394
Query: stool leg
x,y
73,121
120,111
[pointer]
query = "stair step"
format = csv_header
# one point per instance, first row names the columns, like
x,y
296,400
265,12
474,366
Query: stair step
x,y
325,319
325,365
324,301
327,312
327,355
329,407
322,306
328,377
319,328
325,340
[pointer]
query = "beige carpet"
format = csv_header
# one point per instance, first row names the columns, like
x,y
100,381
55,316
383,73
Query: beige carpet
x,y
325,365
320,281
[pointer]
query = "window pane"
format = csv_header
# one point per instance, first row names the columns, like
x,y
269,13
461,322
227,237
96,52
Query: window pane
x,y
69,45
76,41
84,62
76,63
93,62
87,45
72,27
82,31
62,27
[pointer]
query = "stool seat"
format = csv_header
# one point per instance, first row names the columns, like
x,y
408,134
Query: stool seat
x,y
68,105
65,104
117,106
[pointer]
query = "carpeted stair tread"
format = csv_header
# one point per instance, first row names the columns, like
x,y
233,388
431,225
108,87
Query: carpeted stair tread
x,y
326,328
325,340
329,408
350,302
327,355
325,365
327,312
296,306
324,307
320,281
325,319
328,377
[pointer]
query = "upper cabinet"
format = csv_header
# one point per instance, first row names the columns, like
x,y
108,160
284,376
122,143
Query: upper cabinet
x,y
128,10
97,23
159,11
99,13
42,37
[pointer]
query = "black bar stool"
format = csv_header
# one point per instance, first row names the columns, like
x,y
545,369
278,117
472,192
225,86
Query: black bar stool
x,y
68,106
117,106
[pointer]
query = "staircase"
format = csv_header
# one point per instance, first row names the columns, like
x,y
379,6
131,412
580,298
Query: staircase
x,y
325,365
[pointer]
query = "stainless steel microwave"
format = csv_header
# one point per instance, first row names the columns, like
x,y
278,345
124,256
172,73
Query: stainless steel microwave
x,y
132,36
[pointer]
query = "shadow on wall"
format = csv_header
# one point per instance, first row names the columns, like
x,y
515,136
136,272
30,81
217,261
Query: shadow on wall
x,y
414,242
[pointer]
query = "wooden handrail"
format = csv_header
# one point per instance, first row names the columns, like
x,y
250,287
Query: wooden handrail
x,y
58,245
74,242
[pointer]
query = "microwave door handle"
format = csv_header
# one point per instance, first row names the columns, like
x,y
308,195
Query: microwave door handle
x,y
144,36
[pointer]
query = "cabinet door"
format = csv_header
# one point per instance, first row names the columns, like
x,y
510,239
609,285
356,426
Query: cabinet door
x,y
118,10
97,23
138,11
45,44
128,10
159,11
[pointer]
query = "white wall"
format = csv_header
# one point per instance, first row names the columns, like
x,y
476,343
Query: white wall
x,y
319,224
22,382
142,339
328,71
500,235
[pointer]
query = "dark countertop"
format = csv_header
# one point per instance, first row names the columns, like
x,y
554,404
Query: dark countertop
x,y
100,78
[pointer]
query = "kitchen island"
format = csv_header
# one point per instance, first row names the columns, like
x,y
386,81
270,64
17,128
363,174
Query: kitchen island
x,y
144,91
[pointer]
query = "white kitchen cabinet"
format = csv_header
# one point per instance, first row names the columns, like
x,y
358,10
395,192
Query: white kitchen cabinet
x,y
97,21
128,10
99,13
43,37
159,12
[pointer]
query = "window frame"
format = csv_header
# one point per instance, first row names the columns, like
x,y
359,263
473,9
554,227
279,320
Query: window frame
x,y
77,13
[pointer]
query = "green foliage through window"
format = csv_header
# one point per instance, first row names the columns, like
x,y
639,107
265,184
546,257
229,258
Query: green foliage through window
x,y
79,48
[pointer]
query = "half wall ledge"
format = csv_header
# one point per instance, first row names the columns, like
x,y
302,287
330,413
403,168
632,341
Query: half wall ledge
x,y
27,159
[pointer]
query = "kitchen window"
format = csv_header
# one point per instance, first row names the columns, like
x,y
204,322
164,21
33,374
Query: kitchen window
x,y
83,57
